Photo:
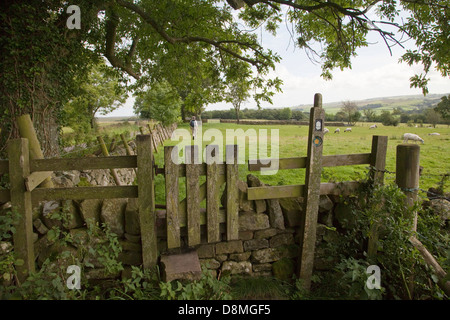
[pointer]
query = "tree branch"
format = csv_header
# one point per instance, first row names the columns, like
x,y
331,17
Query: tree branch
x,y
111,27
192,39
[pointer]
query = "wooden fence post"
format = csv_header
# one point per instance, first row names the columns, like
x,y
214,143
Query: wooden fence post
x,y
155,145
312,192
146,200
407,174
192,195
378,165
212,193
26,130
232,176
106,154
171,173
19,169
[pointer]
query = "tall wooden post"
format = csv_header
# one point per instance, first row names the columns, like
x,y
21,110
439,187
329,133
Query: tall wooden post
x,y
232,192
312,192
378,165
407,174
146,200
407,178
192,194
26,130
171,173
19,169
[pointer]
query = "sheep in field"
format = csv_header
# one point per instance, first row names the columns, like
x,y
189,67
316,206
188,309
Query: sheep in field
x,y
325,130
337,130
373,126
411,136
434,134
348,130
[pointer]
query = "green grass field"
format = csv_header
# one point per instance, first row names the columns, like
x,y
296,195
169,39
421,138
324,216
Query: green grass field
x,y
434,156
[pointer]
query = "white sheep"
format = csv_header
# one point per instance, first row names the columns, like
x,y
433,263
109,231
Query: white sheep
x,y
434,134
411,136
348,130
325,130
373,126
337,130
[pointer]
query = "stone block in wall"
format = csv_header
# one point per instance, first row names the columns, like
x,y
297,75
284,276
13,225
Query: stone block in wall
x,y
210,263
240,256
252,181
253,221
206,251
266,233
245,235
281,239
274,254
276,217
112,215
71,213
90,210
256,244
244,203
283,269
325,204
292,210
39,226
262,267
50,211
181,266
234,267
132,222
234,246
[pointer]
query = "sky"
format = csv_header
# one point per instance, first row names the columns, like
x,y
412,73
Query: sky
x,y
375,73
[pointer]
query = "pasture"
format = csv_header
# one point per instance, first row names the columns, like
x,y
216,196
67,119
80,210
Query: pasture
x,y
434,156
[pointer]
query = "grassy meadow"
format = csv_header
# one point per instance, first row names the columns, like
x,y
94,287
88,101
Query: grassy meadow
x,y
434,156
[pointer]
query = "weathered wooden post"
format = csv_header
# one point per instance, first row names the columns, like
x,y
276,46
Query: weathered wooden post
x,y
171,174
407,178
232,192
407,174
19,169
146,200
106,154
155,145
193,194
26,130
213,193
312,192
378,166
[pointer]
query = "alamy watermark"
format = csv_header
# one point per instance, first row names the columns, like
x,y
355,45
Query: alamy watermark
x,y
74,21
374,280
263,145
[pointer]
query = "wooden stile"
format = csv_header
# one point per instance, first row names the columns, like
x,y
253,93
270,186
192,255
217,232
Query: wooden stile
x,y
146,196
232,175
171,172
192,195
213,194
19,168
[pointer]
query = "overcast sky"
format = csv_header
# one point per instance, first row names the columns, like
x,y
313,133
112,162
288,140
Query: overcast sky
x,y
375,73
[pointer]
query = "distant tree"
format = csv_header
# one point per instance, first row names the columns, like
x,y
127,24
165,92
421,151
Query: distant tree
x,y
443,107
160,102
238,92
369,114
350,109
100,93
387,119
285,114
433,117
